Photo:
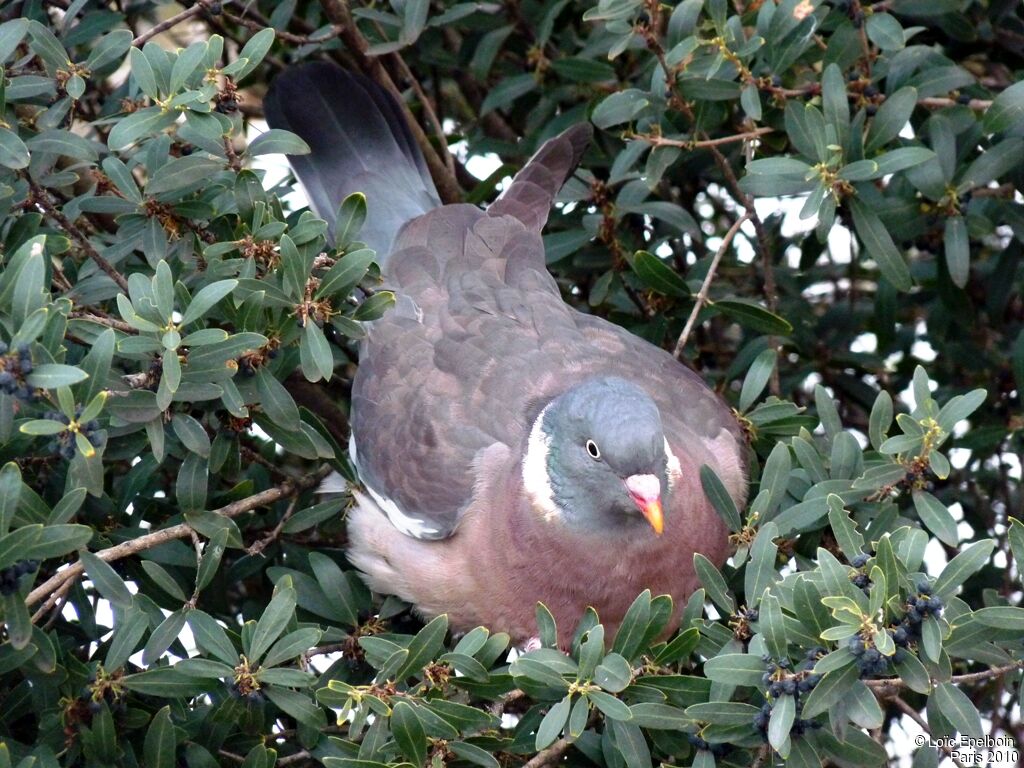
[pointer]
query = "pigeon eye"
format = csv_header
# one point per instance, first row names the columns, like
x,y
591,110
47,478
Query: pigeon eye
x,y
593,450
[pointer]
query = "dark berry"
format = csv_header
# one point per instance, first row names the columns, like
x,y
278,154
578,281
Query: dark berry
x,y
871,109
900,636
860,560
789,687
924,588
963,98
935,605
870,91
856,645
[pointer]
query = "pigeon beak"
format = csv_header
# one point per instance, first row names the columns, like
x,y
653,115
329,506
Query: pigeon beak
x,y
645,491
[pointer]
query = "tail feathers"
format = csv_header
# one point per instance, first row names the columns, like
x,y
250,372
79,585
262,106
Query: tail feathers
x,y
530,195
360,142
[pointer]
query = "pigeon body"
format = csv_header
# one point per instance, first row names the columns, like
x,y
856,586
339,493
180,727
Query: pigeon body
x,y
512,449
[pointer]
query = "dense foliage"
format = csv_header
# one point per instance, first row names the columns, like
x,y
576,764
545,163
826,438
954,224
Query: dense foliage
x,y
177,343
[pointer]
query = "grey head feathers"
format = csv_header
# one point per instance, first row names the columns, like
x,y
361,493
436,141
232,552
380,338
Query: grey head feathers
x,y
599,437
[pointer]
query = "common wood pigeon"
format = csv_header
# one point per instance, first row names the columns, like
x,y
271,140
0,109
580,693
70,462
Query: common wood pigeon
x,y
512,449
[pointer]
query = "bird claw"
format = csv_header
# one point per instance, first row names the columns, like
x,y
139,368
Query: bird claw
x,y
532,644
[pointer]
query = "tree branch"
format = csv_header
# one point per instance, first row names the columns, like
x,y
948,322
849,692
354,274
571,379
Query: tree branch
x,y
285,490
971,677
41,198
166,24
702,295
661,141
550,755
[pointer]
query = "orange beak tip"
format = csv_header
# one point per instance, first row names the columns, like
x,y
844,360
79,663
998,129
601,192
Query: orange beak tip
x,y
653,514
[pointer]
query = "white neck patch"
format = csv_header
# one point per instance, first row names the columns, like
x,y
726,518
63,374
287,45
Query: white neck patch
x,y
673,468
536,481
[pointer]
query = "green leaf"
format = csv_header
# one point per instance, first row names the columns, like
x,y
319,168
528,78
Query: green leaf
x,y
958,710
757,378
183,173
106,580
349,221
658,716
1006,110
713,581
272,623
892,116
761,571
278,141
657,275
885,31
830,689
780,723
276,401
936,517
211,637
632,745
993,164
138,125
53,375
752,315
409,734
298,705
620,107
425,647
13,152
255,49
879,245
633,626
1001,617
772,626
165,634
719,497
735,669
724,712
961,567
610,706
553,723
613,673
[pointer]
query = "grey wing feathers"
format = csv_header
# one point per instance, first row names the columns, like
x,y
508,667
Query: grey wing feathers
x,y
530,195
360,142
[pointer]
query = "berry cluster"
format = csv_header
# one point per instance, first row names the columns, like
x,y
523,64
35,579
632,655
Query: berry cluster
x,y
247,693
63,443
860,579
918,609
14,367
717,750
102,688
870,660
9,576
781,680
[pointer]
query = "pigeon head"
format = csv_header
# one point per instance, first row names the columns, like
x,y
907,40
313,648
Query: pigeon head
x,y
597,458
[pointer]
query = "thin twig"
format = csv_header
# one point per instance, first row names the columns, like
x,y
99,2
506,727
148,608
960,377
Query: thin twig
x,y
550,755
174,21
702,295
150,540
289,759
41,198
258,546
762,756
661,141
109,322
914,715
971,677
